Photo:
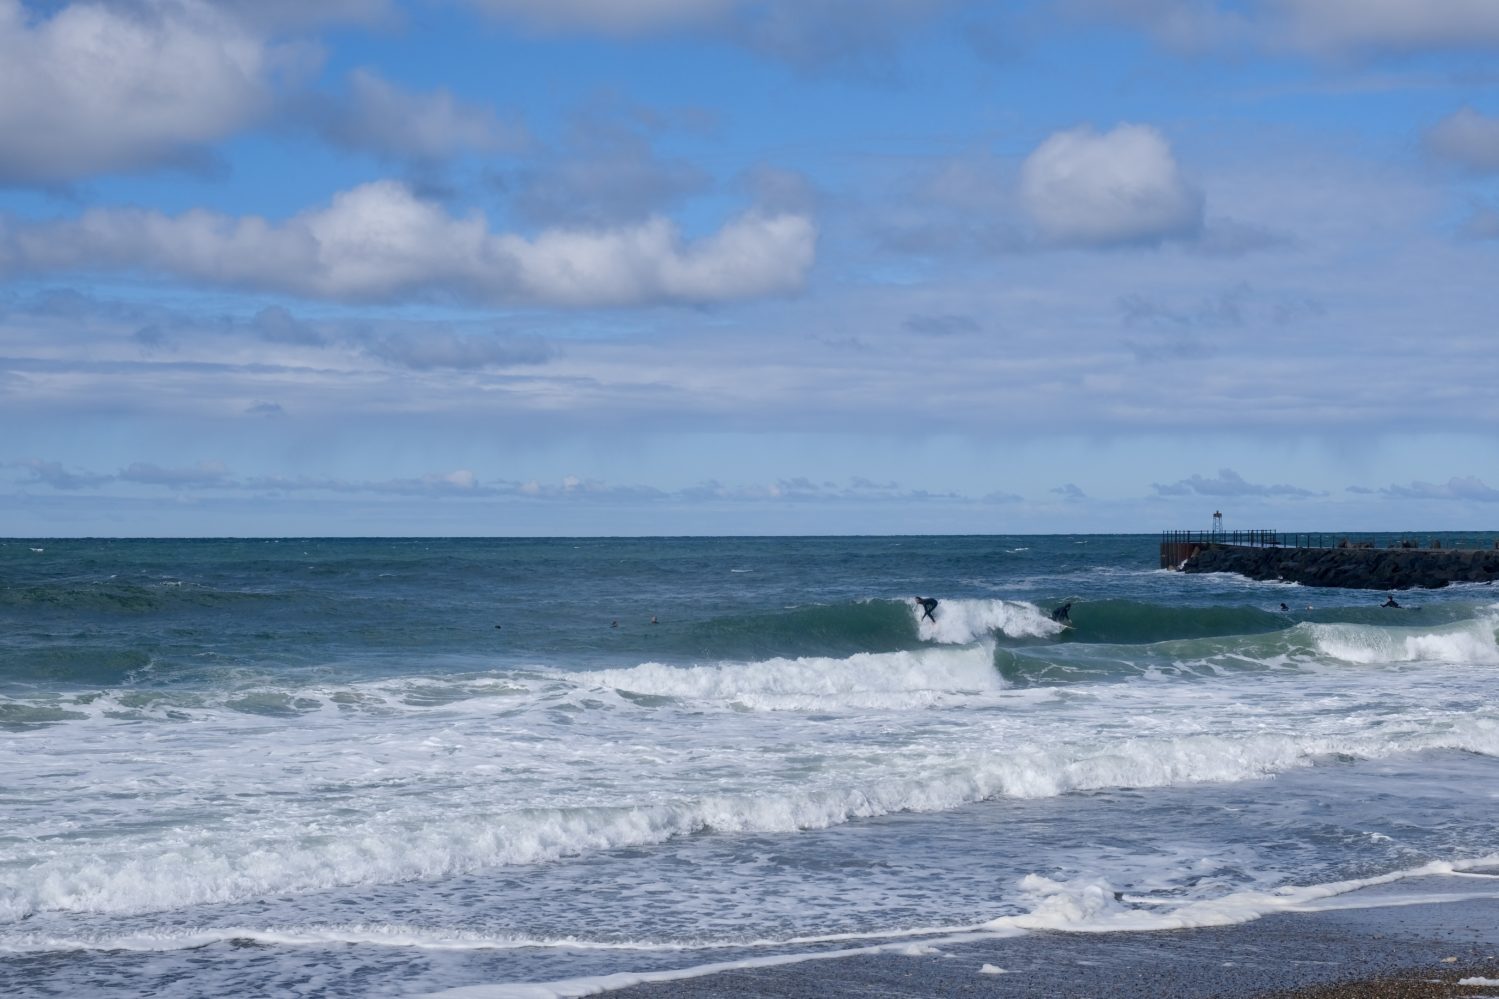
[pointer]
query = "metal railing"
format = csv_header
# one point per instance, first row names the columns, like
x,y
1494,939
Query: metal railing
x,y
1248,539
1274,539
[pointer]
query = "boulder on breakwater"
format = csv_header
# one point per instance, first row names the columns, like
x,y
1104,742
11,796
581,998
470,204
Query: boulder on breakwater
x,y
1350,568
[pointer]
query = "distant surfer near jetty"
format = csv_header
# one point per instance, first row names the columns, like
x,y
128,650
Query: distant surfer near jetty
x,y
928,604
1063,614
1390,601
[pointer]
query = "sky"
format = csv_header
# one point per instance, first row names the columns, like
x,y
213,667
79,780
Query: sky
x,y
682,267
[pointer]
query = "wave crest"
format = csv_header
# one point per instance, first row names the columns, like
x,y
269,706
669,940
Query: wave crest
x,y
962,622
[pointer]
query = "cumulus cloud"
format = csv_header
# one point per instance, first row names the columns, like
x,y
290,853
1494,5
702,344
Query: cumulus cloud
x,y
1228,483
1080,188
1467,138
376,116
1083,188
97,89
379,242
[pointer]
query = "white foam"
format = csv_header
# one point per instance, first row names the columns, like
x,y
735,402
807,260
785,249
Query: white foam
x,y
421,779
428,836
961,622
1092,906
1465,642
865,680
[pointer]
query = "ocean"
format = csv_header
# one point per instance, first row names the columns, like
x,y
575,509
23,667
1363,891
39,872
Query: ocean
x,y
396,767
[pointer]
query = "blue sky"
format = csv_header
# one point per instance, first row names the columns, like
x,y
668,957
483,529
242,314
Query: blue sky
x,y
569,267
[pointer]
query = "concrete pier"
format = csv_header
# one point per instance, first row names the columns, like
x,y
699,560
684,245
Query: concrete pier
x,y
1352,565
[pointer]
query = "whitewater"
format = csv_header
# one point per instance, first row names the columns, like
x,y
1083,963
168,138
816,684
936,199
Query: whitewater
x,y
547,767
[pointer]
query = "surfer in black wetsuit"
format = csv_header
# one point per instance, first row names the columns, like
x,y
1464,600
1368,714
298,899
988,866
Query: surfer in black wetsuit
x,y
927,604
1063,614
1390,601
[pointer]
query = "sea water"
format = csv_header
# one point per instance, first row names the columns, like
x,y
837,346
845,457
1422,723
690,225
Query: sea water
x,y
396,767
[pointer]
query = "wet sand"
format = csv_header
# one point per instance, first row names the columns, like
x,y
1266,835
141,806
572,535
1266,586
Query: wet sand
x,y
1411,950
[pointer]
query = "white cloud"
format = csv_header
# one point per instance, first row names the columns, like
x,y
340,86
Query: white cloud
x,y
1468,138
1083,188
96,89
379,242
379,117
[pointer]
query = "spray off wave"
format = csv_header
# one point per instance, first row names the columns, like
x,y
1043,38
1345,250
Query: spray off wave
x,y
962,622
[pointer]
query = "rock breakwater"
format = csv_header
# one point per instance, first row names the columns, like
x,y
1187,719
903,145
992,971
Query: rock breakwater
x,y
1352,567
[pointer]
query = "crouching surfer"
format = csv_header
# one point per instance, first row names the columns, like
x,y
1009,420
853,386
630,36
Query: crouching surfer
x,y
1063,614
927,605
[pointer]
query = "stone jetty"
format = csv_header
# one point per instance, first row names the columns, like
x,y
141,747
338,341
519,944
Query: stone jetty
x,y
1352,565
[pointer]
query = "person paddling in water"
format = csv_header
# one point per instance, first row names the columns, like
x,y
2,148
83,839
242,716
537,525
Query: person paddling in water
x,y
927,604
1390,601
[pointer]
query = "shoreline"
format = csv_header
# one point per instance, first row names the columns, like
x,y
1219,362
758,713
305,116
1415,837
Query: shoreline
x,y
1408,949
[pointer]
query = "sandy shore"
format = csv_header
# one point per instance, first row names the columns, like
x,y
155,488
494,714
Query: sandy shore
x,y
1406,950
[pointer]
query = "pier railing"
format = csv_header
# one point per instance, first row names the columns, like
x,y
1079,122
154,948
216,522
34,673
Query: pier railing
x,y
1177,546
1250,539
